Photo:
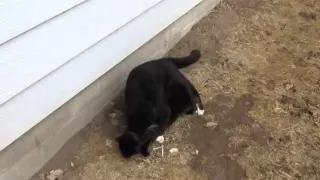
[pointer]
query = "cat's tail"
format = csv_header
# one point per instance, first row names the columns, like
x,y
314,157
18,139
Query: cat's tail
x,y
188,60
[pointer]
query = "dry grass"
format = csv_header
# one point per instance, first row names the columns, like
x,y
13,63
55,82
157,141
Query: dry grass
x,y
280,48
272,51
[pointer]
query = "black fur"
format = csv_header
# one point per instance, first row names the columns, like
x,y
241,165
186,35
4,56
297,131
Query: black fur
x,y
156,94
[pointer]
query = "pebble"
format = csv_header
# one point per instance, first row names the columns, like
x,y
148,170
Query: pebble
x,y
211,124
108,142
102,157
315,154
195,153
114,122
112,115
55,174
174,150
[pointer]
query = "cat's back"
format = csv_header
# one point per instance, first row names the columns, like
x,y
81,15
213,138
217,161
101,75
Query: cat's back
x,y
155,69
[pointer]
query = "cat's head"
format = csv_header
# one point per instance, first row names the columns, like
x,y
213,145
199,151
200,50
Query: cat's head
x,y
128,144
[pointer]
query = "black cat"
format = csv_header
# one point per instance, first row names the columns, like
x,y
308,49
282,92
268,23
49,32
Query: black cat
x,y
156,94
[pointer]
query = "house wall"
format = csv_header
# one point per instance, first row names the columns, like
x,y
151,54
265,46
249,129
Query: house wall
x,y
45,66
36,122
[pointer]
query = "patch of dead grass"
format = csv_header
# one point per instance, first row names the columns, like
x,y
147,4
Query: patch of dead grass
x,y
274,44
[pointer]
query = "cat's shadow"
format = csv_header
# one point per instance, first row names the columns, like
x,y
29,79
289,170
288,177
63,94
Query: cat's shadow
x,y
113,123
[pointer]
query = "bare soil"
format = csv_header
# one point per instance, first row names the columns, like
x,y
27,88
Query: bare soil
x,y
259,78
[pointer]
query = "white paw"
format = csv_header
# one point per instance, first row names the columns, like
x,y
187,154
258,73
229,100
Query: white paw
x,y
199,112
160,139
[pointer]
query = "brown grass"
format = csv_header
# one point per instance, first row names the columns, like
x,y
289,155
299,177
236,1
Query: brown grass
x,y
278,46
273,53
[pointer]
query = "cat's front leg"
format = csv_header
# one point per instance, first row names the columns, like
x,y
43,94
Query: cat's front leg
x,y
164,119
144,151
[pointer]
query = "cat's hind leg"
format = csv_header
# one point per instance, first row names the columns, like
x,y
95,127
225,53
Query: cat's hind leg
x,y
199,111
196,110
191,93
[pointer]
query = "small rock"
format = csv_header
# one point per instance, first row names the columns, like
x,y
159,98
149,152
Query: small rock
x,y
195,153
289,86
293,152
114,122
315,154
71,164
112,115
108,142
211,124
174,150
41,176
55,174
102,157
146,160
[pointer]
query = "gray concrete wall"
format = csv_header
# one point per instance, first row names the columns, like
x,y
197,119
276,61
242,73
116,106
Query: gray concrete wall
x,y
30,152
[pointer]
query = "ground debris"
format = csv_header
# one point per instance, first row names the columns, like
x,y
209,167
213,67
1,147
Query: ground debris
x,y
112,115
55,174
211,124
195,153
314,154
108,142
174,150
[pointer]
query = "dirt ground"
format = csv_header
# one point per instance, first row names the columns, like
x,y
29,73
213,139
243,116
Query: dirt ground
x,y
259,79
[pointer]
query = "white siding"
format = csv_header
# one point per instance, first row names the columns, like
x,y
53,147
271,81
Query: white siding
x,y
18,16
27,59
54,88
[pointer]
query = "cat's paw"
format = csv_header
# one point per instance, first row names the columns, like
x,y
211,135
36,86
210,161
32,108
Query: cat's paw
x,y
160,139
199,111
